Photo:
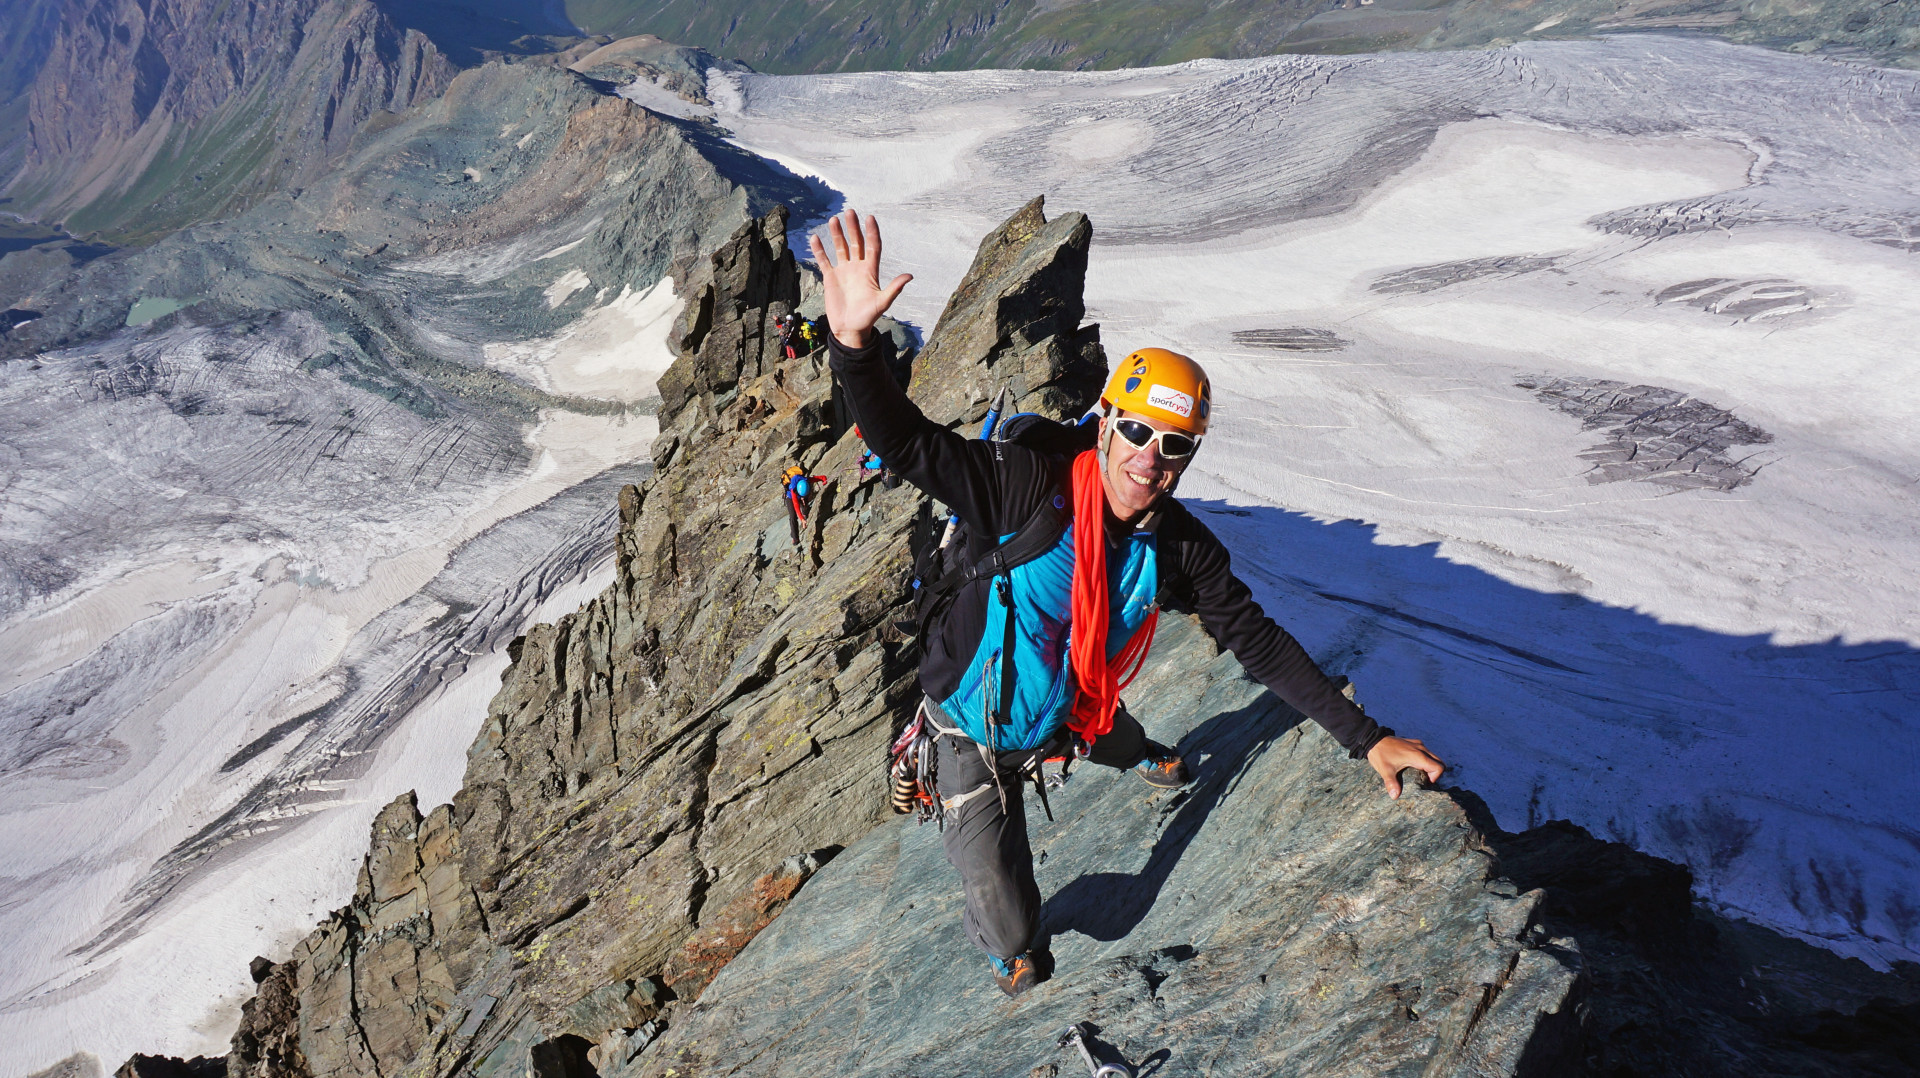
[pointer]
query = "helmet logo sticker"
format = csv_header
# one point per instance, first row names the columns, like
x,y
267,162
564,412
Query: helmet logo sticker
x,y
1172,400
1132,384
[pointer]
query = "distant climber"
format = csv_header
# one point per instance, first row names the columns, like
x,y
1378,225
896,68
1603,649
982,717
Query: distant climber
x,y
785,325
1096,584
809,336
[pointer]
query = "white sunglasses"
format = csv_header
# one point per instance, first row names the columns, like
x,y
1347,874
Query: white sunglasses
x,y
1171,444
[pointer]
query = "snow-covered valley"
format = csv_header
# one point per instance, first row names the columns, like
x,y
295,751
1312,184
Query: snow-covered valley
x,y
1564,393
1565,402
199,737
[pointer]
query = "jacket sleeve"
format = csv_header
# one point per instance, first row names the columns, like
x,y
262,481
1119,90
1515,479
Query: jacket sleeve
x,y
1269,653
971,477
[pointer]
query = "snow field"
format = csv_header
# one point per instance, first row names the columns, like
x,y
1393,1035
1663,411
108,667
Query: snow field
x,y
1378,258
128,933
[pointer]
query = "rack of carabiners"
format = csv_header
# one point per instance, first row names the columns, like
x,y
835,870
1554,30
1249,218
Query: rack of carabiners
x,y
911,769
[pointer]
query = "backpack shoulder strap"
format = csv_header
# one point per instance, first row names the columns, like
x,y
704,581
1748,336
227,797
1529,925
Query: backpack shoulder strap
x,y
1035,537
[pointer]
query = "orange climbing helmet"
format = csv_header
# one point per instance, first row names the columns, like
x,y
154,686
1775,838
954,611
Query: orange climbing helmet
x,y
1163,385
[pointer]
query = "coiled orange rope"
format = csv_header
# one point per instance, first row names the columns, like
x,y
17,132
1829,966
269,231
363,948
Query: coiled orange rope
x,y
1100,683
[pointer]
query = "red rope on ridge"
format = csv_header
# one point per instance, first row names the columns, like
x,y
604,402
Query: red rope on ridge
x,y
1099,680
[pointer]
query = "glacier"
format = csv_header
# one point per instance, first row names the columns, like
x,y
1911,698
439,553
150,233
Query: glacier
x,y
1565,401
1564,391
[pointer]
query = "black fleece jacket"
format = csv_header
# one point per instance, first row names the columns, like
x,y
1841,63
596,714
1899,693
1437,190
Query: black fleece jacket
x,y
996,486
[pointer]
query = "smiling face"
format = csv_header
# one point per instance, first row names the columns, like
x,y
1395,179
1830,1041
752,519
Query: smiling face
x,y
1136,478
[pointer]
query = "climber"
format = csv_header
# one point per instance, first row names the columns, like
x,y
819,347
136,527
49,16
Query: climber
x,y
798,487
1127,538
785,325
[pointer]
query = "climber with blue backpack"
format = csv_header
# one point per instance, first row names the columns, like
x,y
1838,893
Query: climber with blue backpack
x,y
1032,621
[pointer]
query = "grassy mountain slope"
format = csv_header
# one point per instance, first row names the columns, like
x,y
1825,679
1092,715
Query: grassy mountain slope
x,y
129,119
838,35
26,28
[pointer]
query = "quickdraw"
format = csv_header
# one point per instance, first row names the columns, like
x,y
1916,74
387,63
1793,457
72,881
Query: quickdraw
x,y
911,770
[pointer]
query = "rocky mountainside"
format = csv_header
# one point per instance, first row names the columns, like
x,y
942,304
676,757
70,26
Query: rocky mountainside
x,y
964,34
145,116
366,370
694,756
662,771
26,30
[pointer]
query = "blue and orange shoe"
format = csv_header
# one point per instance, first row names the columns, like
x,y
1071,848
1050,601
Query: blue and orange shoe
x,y
1163,768
1021,972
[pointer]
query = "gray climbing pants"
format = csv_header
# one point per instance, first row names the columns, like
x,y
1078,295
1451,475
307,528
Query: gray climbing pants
x,y
988,845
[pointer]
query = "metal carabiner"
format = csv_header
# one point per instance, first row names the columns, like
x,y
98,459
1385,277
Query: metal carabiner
x,y
1076,1035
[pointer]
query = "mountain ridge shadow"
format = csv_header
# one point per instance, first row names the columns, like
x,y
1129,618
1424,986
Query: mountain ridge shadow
x,y
1764,767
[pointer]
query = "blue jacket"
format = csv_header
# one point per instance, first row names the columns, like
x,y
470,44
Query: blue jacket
x,y
996,487
1043,684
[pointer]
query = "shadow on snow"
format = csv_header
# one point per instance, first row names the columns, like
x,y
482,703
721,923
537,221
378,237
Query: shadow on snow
x,y
1775,772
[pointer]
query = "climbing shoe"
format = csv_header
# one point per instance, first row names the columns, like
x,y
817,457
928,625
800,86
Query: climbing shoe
x,y
1021,972
1163,767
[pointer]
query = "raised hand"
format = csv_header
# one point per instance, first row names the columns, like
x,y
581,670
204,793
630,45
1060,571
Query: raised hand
x,y
1390,754
855,300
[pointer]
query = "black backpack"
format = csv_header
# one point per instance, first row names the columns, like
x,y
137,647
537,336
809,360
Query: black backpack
x,y
941,565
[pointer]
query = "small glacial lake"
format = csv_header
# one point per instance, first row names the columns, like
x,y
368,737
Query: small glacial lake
x,y
149,308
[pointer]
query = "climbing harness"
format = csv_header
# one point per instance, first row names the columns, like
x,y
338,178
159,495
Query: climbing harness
x,y
918,738
913,770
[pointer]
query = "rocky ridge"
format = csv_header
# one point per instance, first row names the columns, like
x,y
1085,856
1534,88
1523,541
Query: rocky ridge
x,y
668,772
663,770
625,818
954,35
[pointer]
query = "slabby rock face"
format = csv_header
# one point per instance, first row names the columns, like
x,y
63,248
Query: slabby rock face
x,y
657,767
639,875
1279,916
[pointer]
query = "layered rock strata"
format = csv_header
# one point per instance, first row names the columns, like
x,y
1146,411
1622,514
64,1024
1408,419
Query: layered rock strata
x,y
653,762
1278,916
